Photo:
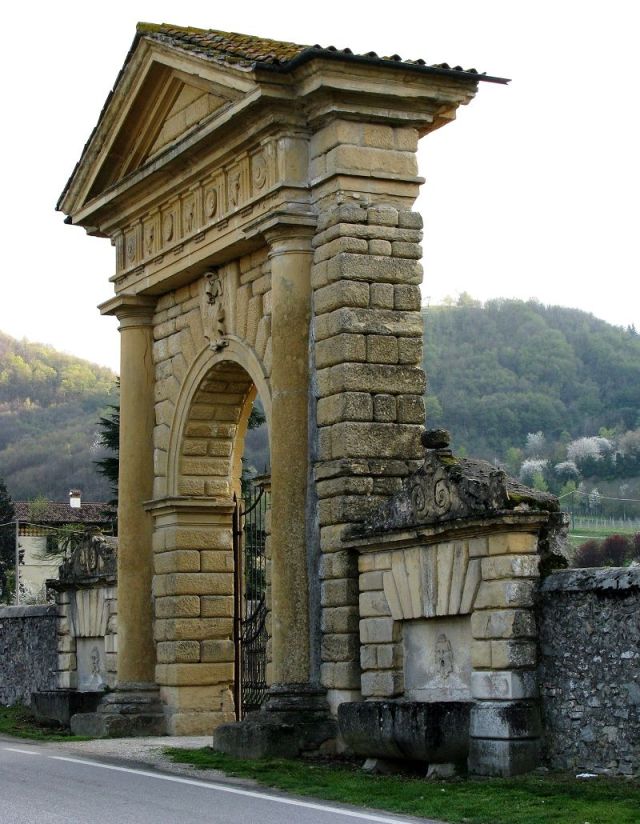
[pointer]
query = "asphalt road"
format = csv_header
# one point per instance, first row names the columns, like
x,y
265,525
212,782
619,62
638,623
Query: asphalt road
x,y
46,784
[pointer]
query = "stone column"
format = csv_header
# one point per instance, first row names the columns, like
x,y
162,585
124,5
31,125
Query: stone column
x,y
291,257
134,708
295,716
136,654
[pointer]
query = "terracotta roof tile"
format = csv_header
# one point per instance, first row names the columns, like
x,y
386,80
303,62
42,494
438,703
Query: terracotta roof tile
x,y
61,513
230,46
249,51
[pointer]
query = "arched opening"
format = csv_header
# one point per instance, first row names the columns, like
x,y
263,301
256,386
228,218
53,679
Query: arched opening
x,y
211,572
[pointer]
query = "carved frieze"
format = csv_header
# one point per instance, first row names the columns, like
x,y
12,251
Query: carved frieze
x,y
229,190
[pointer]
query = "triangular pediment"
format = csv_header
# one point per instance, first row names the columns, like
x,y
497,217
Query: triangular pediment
x,y
169,105
161,98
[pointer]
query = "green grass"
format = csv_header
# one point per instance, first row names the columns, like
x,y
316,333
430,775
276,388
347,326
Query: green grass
x,y
532,799
20,722
579,534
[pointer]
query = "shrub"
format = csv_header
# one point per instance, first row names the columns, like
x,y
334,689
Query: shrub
x,y
615,549
589,554
635,547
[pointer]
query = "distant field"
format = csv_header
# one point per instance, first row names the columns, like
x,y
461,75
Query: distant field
x,y
584,529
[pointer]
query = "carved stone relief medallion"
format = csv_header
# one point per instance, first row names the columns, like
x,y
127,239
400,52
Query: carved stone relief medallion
x,y
259,171
131,248
211,203
167,227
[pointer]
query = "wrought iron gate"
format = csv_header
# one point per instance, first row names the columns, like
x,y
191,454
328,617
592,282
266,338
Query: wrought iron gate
x,y
249,535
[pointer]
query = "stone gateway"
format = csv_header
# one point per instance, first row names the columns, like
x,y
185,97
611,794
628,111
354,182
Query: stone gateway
x,y
259,197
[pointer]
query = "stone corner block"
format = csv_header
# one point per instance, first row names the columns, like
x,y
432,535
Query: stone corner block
x,y
504,685
503,758
505,720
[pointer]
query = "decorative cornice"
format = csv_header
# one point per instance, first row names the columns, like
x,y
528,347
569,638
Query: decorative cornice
x,y
131,310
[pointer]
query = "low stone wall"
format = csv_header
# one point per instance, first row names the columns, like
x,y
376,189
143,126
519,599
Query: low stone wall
x,y
28,652
590,669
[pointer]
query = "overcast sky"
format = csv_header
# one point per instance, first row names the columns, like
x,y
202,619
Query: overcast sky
x,y
532,192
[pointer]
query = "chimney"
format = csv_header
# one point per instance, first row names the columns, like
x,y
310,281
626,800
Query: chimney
x,y
75,498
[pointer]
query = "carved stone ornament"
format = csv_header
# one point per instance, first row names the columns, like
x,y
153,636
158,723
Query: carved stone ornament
x,y
212,307
211,203
234,188
93,557
131,249
259,171
444,657
167,227
149,238
189,216
447,488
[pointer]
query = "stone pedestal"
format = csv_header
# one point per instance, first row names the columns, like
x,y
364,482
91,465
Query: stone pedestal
x,y
294,719
132,710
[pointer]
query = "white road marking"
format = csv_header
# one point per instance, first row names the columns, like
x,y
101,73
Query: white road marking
x,y
24,752
236,791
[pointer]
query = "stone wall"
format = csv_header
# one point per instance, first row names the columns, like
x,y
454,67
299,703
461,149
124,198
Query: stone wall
x,y
28,654
590,669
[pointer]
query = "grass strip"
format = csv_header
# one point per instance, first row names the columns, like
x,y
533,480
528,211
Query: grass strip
x,y
531,799
20,722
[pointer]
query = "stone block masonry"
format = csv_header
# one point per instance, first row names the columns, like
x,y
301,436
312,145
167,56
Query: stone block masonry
x,y
590,669
370,409
28,652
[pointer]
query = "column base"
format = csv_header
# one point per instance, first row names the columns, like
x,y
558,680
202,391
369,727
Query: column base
x,y
130,711
294,719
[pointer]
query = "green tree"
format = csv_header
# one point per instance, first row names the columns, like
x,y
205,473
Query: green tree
x,y
7,538
109,438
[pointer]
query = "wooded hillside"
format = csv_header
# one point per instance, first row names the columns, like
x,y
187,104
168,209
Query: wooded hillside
x,y
553,394
49,408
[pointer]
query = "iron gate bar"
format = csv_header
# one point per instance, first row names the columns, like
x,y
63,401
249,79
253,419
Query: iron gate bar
x,y
237,607
250,632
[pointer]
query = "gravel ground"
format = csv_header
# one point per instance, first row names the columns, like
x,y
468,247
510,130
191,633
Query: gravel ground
x,y
148,752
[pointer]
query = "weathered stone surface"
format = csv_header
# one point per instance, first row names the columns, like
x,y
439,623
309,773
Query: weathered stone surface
x,y
28,653
447,488
590,669
503,758
369,322
435,732
505,719
375,268
505,686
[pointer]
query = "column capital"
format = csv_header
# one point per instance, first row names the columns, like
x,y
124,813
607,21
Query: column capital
x,y
286,231
131,310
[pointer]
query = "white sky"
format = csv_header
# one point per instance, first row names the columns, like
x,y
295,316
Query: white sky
x,y
532,192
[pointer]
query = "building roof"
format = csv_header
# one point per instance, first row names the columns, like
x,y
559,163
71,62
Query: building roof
x,y
249,51
54,512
